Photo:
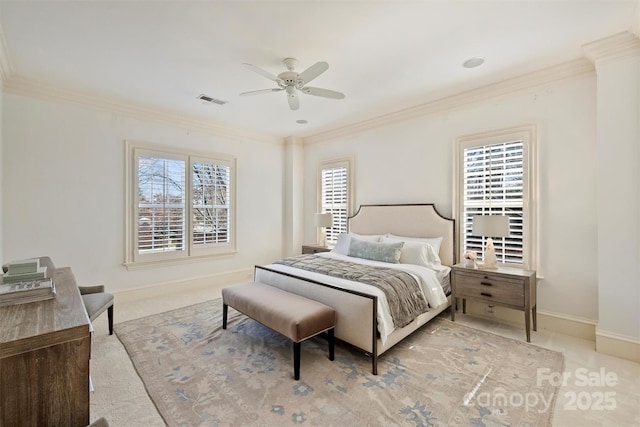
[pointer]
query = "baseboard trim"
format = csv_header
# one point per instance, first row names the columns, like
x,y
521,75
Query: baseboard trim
x,y
618,345
191,284
556,322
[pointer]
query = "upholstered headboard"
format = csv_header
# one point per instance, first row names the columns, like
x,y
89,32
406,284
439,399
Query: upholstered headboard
x,y
411,220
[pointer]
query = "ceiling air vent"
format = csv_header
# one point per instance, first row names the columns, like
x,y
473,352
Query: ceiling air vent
x,y
211,100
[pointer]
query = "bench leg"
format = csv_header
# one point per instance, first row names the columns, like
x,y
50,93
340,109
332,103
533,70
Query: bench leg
x,y
296,360
331,340
225,308
110,316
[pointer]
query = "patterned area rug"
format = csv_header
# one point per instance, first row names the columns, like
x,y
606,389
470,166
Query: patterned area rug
x,y
198,374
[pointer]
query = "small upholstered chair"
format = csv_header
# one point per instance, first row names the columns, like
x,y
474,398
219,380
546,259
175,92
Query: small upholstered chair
x,y
96,301
100,422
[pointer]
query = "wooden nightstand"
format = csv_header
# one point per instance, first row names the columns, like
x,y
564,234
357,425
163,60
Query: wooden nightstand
x,y
314,249
508,287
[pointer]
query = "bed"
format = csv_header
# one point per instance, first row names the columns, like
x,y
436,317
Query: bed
x,y
361,308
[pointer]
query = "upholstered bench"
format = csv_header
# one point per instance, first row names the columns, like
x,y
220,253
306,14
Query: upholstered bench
x,y
293,316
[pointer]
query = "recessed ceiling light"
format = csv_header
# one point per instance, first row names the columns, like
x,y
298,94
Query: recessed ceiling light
x,y
302,122
474,62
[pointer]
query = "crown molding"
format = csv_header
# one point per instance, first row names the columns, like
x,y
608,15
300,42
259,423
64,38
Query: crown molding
x,y
24,87
611,48
522,84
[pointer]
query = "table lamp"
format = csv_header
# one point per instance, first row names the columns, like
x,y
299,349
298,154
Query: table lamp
x,y
324,220
490,226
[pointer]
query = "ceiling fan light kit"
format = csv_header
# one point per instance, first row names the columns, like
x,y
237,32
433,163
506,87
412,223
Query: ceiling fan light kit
x,y
292,82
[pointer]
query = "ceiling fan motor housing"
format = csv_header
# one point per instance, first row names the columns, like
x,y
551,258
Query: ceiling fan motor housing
x,y
290,78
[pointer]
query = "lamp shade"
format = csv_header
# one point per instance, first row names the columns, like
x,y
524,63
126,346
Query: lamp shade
x,y
324,220
490,226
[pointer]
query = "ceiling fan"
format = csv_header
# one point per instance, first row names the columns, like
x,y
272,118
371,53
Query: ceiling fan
x,y
292,82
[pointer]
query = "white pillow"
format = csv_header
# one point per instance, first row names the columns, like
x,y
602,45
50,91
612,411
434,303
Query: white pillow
x,y
433,241
367,237
344,240
342,244
417,253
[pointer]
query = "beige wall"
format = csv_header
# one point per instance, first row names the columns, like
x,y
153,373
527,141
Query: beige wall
x,y
411,162
1,170
65,195
619,196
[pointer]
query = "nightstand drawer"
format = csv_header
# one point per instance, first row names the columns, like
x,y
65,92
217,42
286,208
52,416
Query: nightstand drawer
x,y
490,287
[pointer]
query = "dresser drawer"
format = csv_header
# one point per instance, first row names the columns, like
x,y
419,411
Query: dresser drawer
x,y
491,288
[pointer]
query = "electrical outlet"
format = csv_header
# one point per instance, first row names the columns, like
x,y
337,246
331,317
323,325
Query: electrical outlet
x,y
489,309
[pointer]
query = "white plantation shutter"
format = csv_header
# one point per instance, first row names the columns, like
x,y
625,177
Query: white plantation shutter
x,y
497,177
211,203
493,185
334,197
161,207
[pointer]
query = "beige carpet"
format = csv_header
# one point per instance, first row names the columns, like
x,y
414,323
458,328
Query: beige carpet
x,y
444,374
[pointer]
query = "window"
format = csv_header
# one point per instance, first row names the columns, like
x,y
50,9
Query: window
x,y
335,195
180,206
496,176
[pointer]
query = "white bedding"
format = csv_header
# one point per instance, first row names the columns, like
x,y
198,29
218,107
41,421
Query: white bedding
x,y
430,279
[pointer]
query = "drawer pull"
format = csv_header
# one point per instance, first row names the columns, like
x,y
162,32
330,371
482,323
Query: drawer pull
x,y
485,284
484,294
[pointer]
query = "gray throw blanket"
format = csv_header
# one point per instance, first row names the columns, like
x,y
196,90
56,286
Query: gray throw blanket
x,y
406,300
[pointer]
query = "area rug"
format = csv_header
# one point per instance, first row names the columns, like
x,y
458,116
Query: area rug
x,y
198,374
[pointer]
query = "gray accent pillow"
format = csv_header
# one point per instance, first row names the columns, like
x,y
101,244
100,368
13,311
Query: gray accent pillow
x,y
375,251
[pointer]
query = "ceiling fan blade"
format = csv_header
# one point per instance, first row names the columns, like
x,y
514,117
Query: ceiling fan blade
x,y
326,93
258,92
294,102
262,72
312,72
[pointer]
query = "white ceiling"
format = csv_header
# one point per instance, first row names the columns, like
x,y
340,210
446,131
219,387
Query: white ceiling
x,y
384,55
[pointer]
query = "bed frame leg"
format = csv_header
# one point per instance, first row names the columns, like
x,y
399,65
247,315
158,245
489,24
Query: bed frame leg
x,y
374,364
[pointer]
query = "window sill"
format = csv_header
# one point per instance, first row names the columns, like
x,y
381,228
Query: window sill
x,y
144,265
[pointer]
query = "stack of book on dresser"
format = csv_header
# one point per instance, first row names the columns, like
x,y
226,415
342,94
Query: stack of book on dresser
x,y
25,281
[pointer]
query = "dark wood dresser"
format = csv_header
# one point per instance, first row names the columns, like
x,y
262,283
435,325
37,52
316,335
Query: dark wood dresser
x,y
44,359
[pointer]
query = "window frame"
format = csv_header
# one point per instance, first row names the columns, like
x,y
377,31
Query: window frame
x,y
133,258
346,162
528,135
